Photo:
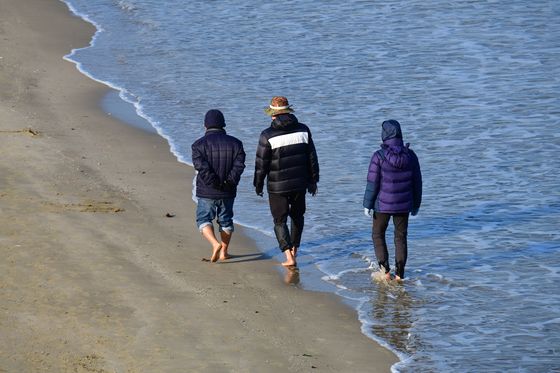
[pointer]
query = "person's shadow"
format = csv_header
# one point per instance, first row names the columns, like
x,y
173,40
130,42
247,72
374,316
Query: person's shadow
x,y
243,258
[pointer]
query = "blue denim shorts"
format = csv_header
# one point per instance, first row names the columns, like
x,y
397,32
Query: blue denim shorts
x,y
219,209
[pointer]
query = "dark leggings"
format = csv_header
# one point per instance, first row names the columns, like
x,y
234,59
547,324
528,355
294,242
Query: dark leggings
x,y
380,224
284,205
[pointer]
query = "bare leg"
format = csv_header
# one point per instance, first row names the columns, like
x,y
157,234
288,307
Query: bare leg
x,y
290,260
208,233
226,237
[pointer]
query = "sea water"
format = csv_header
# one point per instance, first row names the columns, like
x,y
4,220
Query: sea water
x,y
476,87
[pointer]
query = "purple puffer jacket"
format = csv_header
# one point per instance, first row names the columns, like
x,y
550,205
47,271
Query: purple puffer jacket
x,y
394,181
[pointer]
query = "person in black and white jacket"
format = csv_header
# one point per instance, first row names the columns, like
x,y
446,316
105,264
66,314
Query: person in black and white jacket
x,y
287,159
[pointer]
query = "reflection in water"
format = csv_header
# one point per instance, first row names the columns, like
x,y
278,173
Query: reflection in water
x,y
291,276
392,315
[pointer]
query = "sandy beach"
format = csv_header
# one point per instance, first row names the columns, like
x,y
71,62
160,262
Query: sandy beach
x,y
94,276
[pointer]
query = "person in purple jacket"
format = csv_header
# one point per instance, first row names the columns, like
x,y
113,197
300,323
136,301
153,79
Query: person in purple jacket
x,y
394,189
219,160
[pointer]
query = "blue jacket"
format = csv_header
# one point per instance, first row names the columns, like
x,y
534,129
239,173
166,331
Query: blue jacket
x,y
394,180
220,160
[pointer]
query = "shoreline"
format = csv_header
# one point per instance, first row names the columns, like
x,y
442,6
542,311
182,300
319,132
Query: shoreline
x,y
311,279
95,277
124,112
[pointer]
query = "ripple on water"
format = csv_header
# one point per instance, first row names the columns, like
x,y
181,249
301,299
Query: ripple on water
x,y
474,85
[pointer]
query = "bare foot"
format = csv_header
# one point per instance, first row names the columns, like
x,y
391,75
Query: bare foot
x,y
398,279
226,237
294,251
290,260
215,253
224,255
388,276
289,263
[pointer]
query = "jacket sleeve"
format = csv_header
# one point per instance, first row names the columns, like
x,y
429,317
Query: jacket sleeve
x,y
417,185
200,163
238,166
373,181
262,161
313,161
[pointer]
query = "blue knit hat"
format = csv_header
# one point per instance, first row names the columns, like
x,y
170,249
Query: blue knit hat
x,y
214,119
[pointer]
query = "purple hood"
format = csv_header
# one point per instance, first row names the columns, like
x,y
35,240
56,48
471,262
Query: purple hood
x,y
396,153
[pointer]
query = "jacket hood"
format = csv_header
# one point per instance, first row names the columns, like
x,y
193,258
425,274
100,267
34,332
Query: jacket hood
x,y
397,154
284,121
391,129
394,150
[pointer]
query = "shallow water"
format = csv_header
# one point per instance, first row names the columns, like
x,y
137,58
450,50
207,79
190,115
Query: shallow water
x,y
476,88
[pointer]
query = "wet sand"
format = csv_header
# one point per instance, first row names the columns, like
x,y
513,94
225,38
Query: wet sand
x,y
94,277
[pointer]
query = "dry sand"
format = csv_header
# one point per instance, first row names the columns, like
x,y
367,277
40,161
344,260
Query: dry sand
x,y
93,276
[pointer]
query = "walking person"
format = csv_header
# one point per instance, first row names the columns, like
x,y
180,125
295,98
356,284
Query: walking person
x,y
219,160
287,159
394,189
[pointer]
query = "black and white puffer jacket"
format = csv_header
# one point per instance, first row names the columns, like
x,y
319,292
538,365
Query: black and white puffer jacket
x,y
286,157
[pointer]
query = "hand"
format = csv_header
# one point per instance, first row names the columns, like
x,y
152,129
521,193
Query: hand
x,y
312,189
217,184
414,211
368,212
259,190
227,186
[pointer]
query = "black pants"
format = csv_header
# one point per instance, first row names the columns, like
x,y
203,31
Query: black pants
x,y
283,205
380,224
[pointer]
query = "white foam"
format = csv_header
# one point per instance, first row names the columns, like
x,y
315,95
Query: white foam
x,y
461,222
126,6
366,325
124,94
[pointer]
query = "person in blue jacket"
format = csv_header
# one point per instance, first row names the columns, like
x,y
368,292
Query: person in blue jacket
x,y
394,189
219,160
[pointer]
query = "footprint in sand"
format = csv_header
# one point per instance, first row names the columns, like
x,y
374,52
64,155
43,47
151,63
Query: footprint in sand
x,y
25,131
